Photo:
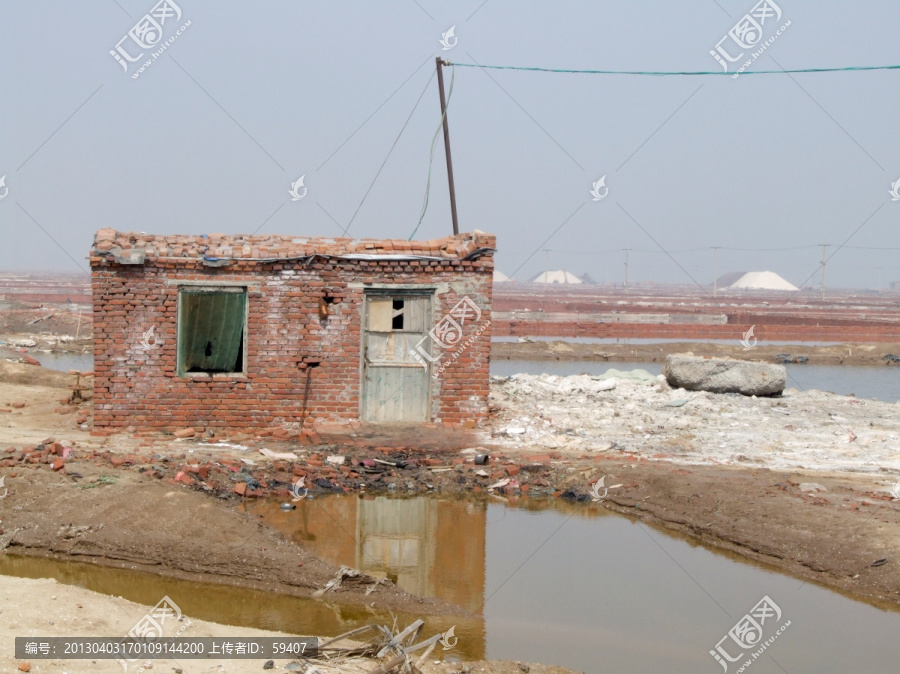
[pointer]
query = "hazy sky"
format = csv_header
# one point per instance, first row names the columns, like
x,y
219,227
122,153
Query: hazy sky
x,y
252,96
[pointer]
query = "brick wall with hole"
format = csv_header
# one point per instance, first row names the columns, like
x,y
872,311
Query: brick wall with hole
x,y
274,336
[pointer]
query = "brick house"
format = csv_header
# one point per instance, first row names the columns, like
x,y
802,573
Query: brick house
x,y
232,331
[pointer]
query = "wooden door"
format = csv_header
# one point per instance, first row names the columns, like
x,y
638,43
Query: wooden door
x,y
395,383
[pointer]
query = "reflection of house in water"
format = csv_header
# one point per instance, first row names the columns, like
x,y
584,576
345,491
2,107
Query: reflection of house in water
x,y
427,547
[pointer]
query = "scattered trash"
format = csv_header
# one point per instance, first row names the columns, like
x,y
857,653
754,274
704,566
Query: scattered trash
x,y
499,484
336,459
482,459
811,486
288,506
678,403
880,562
230,445
343,573
288,456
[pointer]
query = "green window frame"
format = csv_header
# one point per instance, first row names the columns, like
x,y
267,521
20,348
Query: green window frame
x,y
212,330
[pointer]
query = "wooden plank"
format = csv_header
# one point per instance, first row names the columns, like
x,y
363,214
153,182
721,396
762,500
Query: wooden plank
x,y
395,393
414,318
381,312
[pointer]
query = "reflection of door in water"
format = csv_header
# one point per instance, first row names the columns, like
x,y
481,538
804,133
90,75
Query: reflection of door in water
x,y
396,539
395,384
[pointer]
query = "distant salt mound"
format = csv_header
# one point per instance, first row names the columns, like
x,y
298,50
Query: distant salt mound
x,y
762,280
500,277
558,276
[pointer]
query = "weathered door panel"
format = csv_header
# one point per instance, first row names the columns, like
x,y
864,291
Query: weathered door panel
x,y
395,385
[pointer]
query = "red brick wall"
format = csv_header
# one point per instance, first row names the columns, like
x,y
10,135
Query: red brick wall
x,y
133,387
807,331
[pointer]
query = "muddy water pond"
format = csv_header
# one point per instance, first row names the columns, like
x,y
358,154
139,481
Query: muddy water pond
x,y
542,580
572,584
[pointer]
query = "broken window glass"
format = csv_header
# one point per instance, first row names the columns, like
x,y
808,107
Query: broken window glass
x,y
211,330
397,320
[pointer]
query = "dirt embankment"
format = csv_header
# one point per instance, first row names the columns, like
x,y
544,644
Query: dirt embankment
x,y
56,327
835,354
88,512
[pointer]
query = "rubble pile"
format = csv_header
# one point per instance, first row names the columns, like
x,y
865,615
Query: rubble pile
x,y
583,414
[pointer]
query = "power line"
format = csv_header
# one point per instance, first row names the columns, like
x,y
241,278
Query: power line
x,y
708,248
667,73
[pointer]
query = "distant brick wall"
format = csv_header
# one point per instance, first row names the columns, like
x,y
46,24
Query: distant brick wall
x,y
802,331
141,388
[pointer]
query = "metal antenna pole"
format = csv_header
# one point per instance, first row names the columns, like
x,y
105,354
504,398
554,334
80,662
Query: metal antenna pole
x,y
824,260
626,268
440,78
715,270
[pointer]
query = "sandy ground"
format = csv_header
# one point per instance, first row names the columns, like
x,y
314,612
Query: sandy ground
x,y
45,608
833,354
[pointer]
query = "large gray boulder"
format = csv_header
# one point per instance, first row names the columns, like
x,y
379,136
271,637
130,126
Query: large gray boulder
x,y
724,375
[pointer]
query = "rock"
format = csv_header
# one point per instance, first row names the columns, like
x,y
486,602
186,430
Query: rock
x,y
270,664
240,488
59,464
24,666
185,433
724,375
